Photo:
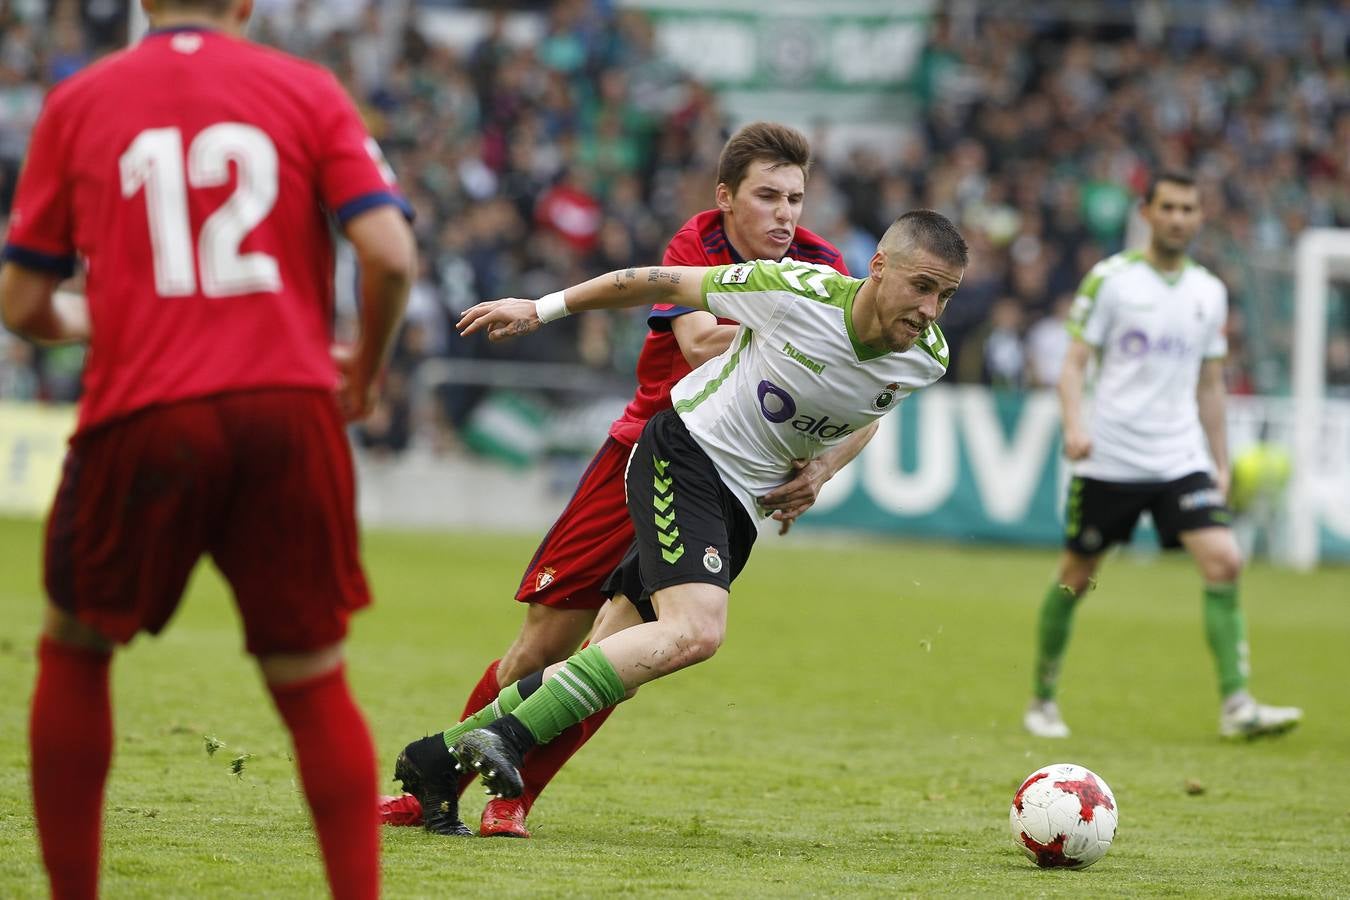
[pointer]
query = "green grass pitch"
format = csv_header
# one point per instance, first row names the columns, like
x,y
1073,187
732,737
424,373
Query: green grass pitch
x,y
858,735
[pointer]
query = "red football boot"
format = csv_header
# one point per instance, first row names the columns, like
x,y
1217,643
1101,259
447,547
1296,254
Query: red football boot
x,y
504,818
402,810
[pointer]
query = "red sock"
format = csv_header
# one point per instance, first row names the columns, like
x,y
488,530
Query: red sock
x,y
483,693
336,759
542,763
70,746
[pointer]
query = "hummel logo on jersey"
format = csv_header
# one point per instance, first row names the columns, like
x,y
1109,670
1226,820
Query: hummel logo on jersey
x,y
737,274
799,356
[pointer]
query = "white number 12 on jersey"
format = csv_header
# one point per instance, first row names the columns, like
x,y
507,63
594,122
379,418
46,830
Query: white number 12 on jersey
x,y
154,162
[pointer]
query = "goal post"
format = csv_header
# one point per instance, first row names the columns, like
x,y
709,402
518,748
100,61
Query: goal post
x,y
1320,254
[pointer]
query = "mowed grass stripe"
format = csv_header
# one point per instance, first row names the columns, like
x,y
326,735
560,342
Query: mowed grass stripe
x,y
858,735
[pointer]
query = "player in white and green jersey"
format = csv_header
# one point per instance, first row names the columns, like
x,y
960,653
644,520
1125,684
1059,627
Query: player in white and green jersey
x,y
1155,440
796,378
818,356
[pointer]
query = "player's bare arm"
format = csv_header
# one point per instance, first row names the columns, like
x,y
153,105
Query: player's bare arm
x,y
794,497
1077,441
31,306
620,289
701,337
1212,399
387,255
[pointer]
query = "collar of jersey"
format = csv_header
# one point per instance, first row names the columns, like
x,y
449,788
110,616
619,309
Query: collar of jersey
x,y
1172,278
175,29
731,248
862,351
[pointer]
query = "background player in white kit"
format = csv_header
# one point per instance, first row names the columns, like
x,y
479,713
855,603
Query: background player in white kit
x,y
818,356
1156,441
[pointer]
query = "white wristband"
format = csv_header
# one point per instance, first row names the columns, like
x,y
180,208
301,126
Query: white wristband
x,y
550,307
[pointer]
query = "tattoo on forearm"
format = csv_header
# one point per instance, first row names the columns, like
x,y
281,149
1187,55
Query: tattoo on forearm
x,y
620,278
655,275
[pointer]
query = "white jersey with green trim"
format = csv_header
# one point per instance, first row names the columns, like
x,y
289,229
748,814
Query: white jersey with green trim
x,y
1152,330
795,380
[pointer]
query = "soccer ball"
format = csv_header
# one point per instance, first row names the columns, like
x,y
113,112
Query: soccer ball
x,y
1063,816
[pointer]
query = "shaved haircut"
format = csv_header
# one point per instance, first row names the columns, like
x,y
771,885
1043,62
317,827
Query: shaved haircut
x,y
925,229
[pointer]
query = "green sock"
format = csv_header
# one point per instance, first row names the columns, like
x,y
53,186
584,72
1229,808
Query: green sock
x,y
1052,636
506,702
1227,634
586,684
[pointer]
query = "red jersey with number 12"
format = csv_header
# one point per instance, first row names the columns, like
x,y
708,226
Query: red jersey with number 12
x,y
702,241
195,174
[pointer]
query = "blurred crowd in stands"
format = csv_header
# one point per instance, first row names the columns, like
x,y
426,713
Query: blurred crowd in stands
x,y
532,167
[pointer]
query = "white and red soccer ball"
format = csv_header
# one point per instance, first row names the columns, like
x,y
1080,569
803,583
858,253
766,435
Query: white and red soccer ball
x,y
1063,816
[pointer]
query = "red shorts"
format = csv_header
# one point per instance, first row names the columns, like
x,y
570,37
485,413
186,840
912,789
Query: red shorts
x,y
588,540
262,480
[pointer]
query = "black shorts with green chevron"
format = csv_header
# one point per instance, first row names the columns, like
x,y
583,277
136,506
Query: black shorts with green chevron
x,y
690,527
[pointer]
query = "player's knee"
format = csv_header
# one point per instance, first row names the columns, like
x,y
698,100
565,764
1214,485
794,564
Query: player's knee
x,y
1076,577
1075,585
288,668
702,641
1223,568
693,641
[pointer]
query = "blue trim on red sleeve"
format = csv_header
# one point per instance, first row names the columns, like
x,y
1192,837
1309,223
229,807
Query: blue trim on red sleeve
x,y
42,262
366,202
660,319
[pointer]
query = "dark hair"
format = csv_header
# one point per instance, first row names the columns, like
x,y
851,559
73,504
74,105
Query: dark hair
x,y
930,231
767,141
1168,176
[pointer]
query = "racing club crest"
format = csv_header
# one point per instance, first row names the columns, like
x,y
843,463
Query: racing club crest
x,y
886,397
544,578
711,560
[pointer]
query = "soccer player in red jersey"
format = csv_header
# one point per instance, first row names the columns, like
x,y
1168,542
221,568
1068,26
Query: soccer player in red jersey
x,y
196,174
761,178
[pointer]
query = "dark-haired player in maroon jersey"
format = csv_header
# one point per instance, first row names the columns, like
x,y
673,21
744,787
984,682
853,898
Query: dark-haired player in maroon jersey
x,y
196,175
761,185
